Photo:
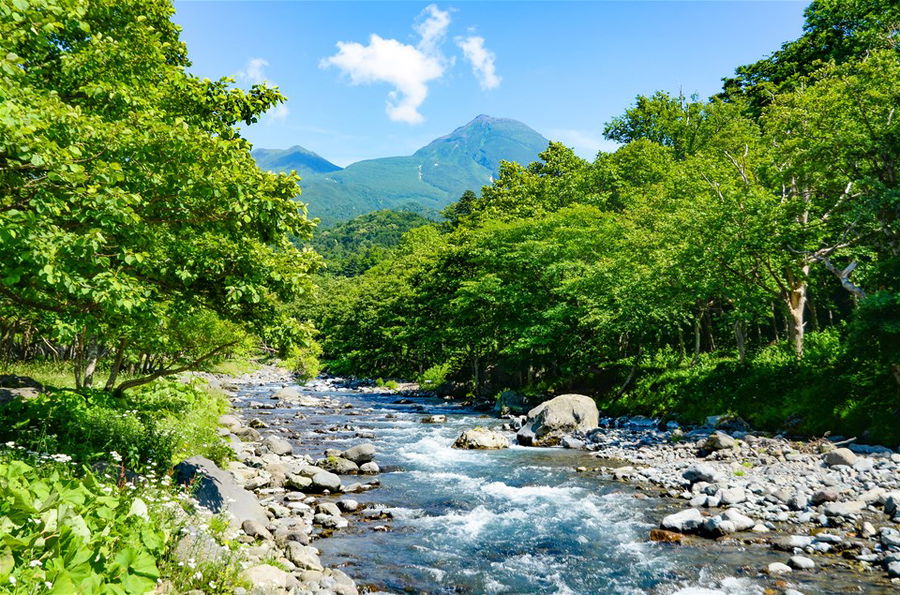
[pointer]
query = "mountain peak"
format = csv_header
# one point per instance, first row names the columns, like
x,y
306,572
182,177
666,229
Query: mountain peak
x,y
298,158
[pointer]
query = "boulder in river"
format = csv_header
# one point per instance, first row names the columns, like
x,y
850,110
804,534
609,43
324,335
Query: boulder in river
x,y
686,521
325,480
278,446
361,453
482,439
219,492
434,419
339,465
547,423
266,578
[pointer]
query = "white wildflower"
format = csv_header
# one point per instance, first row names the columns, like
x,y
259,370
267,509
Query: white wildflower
x,y
116,456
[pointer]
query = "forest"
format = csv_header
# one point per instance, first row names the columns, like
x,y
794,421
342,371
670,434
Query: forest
x,y
735,255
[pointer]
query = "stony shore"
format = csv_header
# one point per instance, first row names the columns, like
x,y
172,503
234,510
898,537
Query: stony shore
x,y
279,502
822,503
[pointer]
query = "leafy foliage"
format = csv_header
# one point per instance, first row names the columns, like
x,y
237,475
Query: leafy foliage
x,y
704,267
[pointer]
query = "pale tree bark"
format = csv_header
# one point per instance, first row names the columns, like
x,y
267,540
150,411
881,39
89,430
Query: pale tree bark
x,y
739,339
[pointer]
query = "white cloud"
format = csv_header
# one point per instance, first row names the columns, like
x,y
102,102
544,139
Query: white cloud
x,y
432,29
586,144
407,68
277,114
482,59
254,72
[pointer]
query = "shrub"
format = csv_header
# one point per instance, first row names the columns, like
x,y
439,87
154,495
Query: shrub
x,y
153,426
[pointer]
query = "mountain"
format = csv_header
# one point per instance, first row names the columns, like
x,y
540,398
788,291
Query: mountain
x,y
426,181
304,161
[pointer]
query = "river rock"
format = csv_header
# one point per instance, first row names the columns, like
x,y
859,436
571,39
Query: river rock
x,y
716,527
701,472
778,568
325,480
686,521
278,446
370,468
844,509
361,453
219,491
434,419
732,496
266,577
547,423
348,505
839,456
892,503
801,563
893,569
297,482
339,465
256,530
741,522
719,441
230,421
304,557
664,536
826,495
329,508
482,439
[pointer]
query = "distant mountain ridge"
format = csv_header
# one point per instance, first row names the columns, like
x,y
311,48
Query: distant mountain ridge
x,y
304,161
425,182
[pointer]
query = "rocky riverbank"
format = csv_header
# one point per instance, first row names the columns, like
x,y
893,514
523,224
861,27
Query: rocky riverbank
x,y
279,503
823,504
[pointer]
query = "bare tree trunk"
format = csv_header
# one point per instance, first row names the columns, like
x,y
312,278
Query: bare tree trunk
x,y
696,357
796,305
739,339
116,366
93,355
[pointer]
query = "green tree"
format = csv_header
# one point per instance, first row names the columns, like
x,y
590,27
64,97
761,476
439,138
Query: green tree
x,y
127,196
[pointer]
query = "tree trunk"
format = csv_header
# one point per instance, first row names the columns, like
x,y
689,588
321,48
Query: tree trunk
x,y
116,366
696,357
93,354
739,339
167,371
796,305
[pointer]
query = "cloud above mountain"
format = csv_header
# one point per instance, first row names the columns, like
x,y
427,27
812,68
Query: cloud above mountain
x,y
408,68
482,60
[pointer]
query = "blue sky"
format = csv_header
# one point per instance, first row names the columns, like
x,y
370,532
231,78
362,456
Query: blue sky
x,y
563,68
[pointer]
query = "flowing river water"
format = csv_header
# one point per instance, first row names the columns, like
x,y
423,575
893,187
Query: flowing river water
x,y
519,520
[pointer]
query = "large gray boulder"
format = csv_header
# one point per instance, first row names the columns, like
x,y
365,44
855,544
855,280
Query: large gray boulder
x,y
686,521
547,423
361,453
840,456
219,491
481,439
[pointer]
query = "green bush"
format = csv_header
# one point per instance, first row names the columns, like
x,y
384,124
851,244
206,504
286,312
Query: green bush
x,y
151,427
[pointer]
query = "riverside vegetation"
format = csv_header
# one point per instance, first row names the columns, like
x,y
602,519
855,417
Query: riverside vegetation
x,y
735,255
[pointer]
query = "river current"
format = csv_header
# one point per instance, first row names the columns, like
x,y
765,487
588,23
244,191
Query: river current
x,y
519,520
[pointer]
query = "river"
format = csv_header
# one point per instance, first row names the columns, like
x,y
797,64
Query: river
x,y
520,520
